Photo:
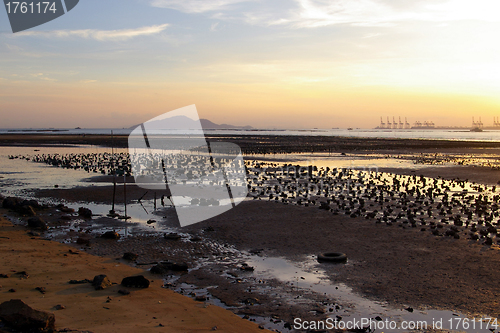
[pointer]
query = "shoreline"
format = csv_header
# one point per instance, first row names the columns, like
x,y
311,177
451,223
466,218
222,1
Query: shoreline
x,y
51,264
264,144
393,263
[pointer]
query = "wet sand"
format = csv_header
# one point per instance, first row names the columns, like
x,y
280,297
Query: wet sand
x,y
52,265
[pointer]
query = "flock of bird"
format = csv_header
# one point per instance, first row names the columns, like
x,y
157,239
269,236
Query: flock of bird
x,y
452,208
449,208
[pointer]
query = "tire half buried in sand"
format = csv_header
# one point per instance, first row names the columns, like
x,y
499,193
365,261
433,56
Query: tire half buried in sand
x,y
332,257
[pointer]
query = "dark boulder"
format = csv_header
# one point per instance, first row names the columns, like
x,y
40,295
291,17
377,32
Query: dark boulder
x,y
37,222
166,266
32,203
130,256
135,282
20,316
85,212
26,210
101,282
110,235
83,241
11,202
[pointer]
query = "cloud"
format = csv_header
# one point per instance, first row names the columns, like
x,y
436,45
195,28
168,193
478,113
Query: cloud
x,y
196,6
318,13
99,35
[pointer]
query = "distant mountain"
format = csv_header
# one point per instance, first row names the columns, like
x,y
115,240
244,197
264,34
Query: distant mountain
x,y
207,124
182,122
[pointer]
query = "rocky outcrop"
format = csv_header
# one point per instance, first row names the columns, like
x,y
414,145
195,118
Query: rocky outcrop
x,y
20,316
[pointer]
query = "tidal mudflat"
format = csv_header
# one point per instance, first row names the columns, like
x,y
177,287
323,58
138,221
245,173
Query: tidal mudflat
x,y
417,236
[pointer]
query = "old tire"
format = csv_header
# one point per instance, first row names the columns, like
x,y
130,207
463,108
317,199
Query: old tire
x,y
332,257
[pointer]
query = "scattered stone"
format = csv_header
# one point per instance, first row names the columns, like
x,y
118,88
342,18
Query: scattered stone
x,y
201,298
37,222
245,267
23,274
172,236
123,292
34,234
41,289
165,266
26,210
11,202
195,239
80,281
65,209
59,307
138,281
101,282
12,290
409,309
4,276
110,235
130,256
83,241
85,212
20,316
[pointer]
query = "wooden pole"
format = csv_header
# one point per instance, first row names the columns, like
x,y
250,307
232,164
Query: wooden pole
x,y
114,172
125,193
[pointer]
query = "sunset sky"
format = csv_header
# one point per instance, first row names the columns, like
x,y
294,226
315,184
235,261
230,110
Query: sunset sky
x,y
264,63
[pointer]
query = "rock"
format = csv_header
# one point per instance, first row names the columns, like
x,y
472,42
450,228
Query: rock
x,y
37,222
195,239
130,256
43,290
20,316
123,292
80,281
201,298
101,282
165,266
83,241
138,281
59,307
110,235
172,236
11,202
26,210
85,212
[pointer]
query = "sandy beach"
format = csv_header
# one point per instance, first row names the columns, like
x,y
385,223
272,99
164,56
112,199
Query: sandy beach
x,y
52,265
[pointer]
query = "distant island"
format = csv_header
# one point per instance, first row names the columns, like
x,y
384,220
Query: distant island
x,y
182,122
